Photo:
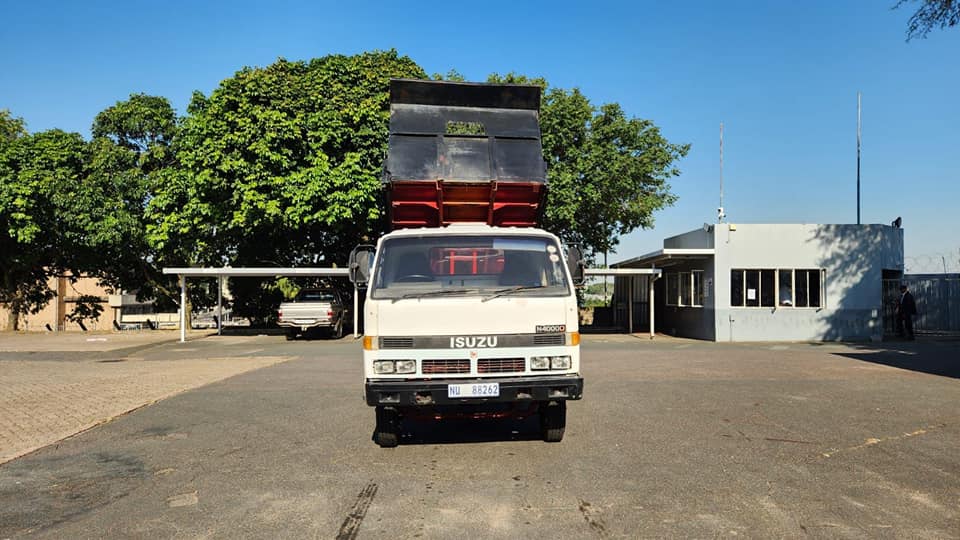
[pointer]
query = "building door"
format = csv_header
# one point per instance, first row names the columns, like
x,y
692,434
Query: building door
x,y
890,298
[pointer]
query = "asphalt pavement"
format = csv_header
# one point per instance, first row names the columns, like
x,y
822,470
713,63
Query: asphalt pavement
x,y
673,438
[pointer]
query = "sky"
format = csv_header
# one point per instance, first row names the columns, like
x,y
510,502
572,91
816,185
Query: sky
x,y
782,77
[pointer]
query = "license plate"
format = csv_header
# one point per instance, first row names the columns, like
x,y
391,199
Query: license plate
x,y
473,390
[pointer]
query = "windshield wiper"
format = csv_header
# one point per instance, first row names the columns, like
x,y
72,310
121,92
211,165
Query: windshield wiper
x,y
511,290
442,292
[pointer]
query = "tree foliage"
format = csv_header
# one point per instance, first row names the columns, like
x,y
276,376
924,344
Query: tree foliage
x,y
280,165
607,173
74,208
130,160
39,174
930,15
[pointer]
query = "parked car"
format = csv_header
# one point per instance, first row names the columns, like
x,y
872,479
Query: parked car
x,y
324,309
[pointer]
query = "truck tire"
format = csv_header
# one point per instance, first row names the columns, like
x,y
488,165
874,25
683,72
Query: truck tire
x,y
387,432
291,334
553,420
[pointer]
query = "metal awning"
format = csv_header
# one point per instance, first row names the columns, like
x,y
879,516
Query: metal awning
x,y
256,272
665,257
184,272
654,274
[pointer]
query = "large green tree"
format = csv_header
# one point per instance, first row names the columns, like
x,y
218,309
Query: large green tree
x,y
280,166
130,159
608,173
69,207
39,177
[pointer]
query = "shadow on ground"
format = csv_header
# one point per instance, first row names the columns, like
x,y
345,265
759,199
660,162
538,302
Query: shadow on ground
x,y
423,429
935,358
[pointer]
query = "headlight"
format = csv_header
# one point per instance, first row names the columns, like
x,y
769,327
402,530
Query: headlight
x,y
406,366
382,367
560,362
540,362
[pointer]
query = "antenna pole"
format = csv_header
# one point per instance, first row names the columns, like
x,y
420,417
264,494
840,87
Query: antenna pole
x,y
720,214
858,158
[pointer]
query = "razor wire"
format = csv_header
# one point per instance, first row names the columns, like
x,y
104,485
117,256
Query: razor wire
x,y
933,263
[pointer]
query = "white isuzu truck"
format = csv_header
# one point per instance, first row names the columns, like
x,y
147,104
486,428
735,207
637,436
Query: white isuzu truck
x,y
470,309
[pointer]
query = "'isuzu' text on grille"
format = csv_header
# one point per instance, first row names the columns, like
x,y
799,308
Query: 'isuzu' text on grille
x,y
477,342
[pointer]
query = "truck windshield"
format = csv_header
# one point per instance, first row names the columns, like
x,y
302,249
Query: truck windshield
x,y
433,266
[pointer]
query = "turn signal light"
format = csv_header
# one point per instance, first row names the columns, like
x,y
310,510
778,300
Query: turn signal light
x,y
573,338
369,343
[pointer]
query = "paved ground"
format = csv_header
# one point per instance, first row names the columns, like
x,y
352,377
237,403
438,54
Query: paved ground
x,y
49,392
87,342
673,438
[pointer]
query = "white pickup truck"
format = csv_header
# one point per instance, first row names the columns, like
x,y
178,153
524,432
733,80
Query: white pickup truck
x,y
322,309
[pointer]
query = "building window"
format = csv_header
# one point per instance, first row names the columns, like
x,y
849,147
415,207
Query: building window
x,y
736,288
673,289
686,294
685,289
697,287
770,288
808,288
786,288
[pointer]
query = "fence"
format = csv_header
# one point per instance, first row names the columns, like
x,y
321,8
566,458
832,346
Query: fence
x,y
938,302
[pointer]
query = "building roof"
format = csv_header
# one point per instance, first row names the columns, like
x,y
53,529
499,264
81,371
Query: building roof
x,y
665,257
256,272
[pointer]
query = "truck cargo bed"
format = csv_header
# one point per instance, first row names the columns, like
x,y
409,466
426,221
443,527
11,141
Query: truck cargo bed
x,y
464,152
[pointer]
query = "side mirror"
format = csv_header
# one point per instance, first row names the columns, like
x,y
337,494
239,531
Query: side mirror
x,y
360,259
575,264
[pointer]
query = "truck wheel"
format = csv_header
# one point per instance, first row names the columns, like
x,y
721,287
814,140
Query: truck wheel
x,y
553,420
291,335
386,434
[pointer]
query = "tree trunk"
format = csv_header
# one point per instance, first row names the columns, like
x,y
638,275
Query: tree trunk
x,y
188,314
13,321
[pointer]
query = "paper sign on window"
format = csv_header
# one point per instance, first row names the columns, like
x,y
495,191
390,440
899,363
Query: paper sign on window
x,y
751,294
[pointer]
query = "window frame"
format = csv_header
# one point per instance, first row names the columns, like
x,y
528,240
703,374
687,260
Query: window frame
x,y
778,272
674,289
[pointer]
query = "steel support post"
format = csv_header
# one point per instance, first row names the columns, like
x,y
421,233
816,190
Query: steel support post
x,y
219,305
183,309
356,311
650,301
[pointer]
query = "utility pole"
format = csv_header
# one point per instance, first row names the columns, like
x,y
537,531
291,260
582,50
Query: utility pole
x,y
858,158
720,213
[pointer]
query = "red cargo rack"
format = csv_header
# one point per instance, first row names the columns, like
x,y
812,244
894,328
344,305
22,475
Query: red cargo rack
x,y
438,203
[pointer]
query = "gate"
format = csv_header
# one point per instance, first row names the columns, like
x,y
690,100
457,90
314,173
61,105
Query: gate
x,y
938,303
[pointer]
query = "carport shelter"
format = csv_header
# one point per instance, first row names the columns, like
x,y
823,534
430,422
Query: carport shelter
x,y
220,273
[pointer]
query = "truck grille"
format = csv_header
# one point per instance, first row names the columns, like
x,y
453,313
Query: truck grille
x,y
434,365
396,343
501,365
549,339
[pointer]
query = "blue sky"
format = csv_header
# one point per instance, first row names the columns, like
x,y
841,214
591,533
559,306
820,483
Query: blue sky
x,y
781,76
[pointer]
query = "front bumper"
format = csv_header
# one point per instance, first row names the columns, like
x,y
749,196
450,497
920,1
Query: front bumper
x,y
512,390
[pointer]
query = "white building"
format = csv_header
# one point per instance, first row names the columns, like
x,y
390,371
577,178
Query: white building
x,y
776,282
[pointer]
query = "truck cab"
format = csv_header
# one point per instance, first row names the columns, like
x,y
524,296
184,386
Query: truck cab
x,y
468,315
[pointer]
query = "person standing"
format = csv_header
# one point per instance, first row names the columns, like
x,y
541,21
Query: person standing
x,y
906,309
